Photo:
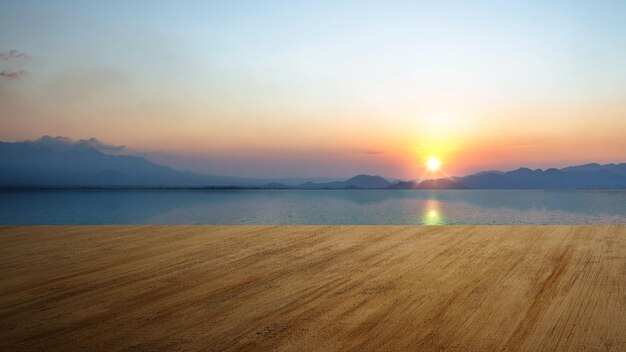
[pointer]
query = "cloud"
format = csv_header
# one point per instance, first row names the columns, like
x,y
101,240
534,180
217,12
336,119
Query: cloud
x,y
13,74
13,54
65,143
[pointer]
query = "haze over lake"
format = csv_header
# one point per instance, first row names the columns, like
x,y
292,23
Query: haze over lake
x,y
429,207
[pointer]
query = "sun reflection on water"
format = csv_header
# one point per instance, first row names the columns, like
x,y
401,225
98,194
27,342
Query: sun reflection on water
x,y
432,213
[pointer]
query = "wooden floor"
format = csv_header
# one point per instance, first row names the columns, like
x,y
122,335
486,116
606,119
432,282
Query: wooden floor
x,y
313,288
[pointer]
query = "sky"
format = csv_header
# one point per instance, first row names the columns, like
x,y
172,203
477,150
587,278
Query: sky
x,y
321,88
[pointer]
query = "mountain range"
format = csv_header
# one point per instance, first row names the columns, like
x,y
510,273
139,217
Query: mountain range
x,y
59,162
62,162
605,176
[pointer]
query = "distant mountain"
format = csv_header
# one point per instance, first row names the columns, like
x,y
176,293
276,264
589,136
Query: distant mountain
x,y
442,183
403,185
602,176
574,177
61,162
356,182
486,172
619,169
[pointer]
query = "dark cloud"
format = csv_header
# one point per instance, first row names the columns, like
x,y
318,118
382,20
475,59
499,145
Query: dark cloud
x,y
65,143
13,74
13,54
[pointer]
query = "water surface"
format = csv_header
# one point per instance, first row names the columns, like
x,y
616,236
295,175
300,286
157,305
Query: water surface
x,y
314,207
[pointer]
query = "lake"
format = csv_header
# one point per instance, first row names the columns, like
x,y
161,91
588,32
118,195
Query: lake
x,y
442,207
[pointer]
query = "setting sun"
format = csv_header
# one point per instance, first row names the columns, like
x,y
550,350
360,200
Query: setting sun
x,y
433,163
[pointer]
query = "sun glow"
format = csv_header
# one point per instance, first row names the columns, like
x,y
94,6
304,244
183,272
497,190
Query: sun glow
x,y
433,164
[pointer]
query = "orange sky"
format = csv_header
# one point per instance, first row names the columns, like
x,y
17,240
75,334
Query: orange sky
x,y
265,91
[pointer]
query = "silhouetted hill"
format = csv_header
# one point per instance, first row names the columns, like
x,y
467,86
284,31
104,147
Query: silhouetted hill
x,y
356,182
612,168
573,177
60,162
441,183
486,172
403,185
568,178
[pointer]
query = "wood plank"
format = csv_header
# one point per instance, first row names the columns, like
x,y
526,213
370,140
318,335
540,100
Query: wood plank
x,y
311,288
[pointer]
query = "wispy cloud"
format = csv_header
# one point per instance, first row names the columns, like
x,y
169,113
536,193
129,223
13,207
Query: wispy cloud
x,y
13,74
13,54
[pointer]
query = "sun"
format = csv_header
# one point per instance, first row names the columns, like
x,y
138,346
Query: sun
x,y
433,164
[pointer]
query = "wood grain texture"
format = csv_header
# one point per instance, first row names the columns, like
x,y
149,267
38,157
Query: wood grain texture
x,y
313,288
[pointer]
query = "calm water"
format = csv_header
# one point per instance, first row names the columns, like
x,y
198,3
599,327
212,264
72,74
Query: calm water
x,y
313,207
